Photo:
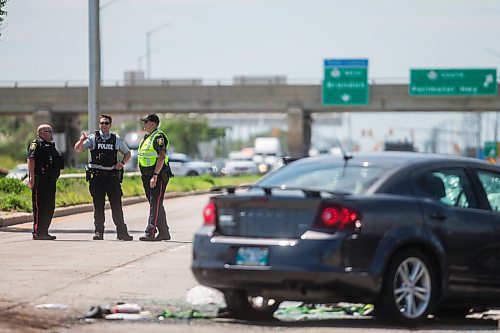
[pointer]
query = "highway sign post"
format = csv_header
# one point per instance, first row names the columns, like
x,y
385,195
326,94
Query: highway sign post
x,y
345,82
453,82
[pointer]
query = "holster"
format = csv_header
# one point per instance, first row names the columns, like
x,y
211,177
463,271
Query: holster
x,y
88,175
119,175
170,174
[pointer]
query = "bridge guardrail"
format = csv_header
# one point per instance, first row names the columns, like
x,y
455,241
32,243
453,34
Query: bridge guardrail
x,y
82,175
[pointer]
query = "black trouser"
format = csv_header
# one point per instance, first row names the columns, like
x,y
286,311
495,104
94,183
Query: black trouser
x,y
157,217
107,183
43,196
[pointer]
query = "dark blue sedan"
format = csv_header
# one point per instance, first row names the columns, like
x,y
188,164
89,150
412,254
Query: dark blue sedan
x,y
413,234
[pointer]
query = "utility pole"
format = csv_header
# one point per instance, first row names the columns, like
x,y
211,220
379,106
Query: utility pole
x,y
94,64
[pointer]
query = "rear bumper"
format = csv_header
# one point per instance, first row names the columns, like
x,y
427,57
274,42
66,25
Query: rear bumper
x,y
312,270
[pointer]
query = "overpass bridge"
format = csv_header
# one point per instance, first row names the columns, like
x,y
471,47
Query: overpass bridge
x,y
61,106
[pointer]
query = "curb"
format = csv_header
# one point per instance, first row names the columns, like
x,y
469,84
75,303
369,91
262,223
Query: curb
x,y
10,219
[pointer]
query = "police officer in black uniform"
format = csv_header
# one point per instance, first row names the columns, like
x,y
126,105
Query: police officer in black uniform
x,y
105,174
44,167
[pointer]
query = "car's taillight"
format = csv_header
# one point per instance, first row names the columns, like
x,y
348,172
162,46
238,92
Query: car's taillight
x,y
209,213
338,217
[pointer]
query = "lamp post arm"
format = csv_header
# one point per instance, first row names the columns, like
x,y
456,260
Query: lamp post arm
x,y
148,47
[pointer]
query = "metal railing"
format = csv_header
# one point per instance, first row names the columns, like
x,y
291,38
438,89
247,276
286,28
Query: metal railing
x,y
182,82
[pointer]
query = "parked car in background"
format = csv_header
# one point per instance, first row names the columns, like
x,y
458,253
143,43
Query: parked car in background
x,y
183,165
217,166
19,172
133,163
239,164
267,154
414,234
132,140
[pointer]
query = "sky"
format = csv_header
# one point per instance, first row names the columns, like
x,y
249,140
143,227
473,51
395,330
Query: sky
x,y
212,40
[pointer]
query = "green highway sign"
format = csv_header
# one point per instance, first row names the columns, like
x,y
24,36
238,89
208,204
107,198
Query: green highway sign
x,y
345,82
453,82
491,151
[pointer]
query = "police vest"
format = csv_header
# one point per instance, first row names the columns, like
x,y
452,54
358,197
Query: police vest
x,y
104,153
147,153
48,162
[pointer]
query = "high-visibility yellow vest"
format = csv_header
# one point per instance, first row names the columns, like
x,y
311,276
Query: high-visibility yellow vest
x,y
147,153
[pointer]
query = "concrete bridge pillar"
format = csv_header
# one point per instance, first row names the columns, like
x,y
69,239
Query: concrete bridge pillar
x,y
41,117
299,132
67,129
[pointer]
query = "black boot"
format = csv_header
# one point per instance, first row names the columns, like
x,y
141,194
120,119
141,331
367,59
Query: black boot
x,y
147,238
124,237
163,236
43,237
98,236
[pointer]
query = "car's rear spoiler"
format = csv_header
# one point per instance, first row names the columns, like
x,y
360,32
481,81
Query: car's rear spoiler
x,y
268,190
288,159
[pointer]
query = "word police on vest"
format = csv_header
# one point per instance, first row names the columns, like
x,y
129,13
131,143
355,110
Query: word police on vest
x,y
108,146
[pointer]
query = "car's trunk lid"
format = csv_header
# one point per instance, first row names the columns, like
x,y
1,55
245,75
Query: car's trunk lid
x,y
265,216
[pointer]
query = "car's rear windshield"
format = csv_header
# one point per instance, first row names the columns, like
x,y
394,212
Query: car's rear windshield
x,y
352,178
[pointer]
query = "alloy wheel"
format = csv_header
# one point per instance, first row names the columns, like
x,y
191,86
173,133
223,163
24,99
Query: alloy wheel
x,y
412,287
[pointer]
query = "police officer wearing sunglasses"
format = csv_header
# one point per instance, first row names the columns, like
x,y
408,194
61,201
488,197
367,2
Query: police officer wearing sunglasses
x,y
44,167
105,174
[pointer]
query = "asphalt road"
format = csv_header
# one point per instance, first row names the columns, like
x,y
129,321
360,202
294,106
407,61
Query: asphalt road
x,y
79,273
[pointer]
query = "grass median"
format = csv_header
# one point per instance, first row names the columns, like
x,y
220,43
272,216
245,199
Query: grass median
x,y
16,197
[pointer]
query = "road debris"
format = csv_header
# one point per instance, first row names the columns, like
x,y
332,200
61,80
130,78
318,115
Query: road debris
x,y
143,315
300,311
122,311
53,306
185,314
126,308
201,295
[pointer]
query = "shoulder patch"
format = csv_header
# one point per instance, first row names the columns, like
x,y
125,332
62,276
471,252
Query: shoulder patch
x,y
160,141
33,146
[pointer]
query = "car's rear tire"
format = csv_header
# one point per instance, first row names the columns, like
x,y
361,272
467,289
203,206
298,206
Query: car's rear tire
x,y
408,289
241,305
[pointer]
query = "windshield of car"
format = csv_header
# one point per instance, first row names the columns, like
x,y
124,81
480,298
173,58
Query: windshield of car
x,y
350,178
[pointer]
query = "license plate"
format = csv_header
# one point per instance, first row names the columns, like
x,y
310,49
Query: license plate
x,y
252,256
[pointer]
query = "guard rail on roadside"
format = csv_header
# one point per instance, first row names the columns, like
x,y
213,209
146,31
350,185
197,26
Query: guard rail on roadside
x,y
82,175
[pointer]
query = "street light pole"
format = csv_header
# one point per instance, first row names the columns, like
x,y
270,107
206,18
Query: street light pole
x,y
139,62
94,62
148,47
94,65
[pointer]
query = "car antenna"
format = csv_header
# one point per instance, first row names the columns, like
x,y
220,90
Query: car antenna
x,y
346,155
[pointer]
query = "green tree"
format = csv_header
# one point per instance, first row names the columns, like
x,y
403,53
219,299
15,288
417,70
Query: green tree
x,y
2,13
15,136
184,133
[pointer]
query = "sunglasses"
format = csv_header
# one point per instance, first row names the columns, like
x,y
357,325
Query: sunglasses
x,y
47,131
104,123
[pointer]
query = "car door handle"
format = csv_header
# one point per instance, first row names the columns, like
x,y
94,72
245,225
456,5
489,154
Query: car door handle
x,y
438,216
